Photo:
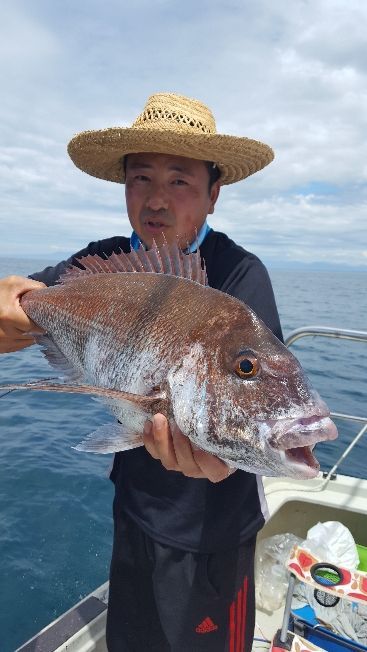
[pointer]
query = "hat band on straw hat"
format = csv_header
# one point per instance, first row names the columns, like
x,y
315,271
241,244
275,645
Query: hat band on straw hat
x,y
169,124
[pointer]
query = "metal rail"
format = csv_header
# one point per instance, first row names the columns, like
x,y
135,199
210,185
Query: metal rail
x,y
340,333
325,331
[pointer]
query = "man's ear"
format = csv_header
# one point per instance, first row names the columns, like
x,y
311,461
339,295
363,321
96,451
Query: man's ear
x,y
214,194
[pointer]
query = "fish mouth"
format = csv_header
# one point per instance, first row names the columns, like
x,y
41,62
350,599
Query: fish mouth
x,y
303,461
294,439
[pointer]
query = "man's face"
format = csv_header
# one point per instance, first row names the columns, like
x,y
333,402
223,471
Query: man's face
x,y
168,195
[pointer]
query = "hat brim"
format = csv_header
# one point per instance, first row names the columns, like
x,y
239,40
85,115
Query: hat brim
x,y
100,153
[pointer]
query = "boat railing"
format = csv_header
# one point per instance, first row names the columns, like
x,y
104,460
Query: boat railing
x,y
325,331
339,333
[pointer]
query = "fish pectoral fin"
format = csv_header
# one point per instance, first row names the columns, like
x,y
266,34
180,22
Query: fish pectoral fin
x,y
56,358
110,438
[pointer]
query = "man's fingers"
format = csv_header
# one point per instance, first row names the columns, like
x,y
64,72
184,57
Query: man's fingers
x,y
148,439
163,443
172,448
15,322
13,319
176,452
212,467
15,342
184,454
11,345
22,284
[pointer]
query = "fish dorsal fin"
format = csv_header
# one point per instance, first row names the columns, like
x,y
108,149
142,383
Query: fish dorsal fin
x,y
167,259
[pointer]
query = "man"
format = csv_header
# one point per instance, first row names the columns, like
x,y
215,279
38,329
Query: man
x,y
185,524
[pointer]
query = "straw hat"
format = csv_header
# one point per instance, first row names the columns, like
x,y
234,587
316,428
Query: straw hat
x,y
169,124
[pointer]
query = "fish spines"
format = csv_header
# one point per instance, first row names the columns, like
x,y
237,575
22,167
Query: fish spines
x,y
167,259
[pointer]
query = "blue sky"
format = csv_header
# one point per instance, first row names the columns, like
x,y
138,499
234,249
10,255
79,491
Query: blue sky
x,y
292,74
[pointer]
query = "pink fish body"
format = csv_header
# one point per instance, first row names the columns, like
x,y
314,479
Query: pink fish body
x,y
160,340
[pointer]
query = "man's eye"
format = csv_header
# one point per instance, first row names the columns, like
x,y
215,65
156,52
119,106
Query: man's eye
x,y
141,177
179,182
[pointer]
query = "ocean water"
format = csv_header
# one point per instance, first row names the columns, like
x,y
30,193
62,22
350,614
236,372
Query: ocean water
x,y
55,503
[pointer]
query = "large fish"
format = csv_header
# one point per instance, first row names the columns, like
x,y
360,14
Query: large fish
x,y
145,332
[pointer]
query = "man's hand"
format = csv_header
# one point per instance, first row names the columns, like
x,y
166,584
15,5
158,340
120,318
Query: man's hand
x,y
177,453
15,326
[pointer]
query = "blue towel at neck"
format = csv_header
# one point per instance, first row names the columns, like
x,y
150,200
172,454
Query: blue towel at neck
x,y
135,242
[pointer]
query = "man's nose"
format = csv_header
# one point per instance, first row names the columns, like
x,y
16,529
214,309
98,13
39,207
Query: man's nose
x,y
157,198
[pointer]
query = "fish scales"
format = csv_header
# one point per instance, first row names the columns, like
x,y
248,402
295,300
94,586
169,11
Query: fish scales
x,y
116,319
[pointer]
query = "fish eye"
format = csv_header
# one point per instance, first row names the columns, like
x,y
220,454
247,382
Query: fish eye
x,y
247,367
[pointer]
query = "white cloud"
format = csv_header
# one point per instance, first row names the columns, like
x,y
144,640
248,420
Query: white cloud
x,y
291,74
24,41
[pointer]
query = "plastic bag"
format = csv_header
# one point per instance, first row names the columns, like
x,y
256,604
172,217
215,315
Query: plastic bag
x,y
331,541
271,574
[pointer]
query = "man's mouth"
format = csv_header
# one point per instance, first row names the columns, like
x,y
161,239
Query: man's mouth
x,y
155,226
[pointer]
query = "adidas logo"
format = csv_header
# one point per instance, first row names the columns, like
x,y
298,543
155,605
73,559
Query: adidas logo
x,y
206,626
